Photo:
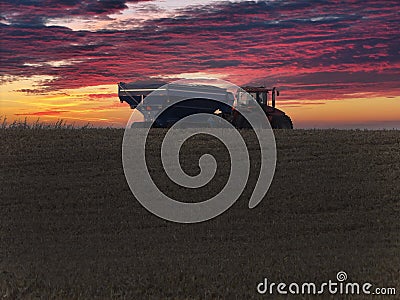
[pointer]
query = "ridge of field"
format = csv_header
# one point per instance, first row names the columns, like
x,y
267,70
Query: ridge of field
x,y
71,228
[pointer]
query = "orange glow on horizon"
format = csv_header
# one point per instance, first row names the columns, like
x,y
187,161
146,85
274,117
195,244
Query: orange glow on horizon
x,y
350,112
97,105
100,106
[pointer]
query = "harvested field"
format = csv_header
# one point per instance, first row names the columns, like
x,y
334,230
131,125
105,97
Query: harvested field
x,y
71,228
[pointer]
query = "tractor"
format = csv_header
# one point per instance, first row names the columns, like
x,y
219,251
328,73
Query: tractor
x,y
198,102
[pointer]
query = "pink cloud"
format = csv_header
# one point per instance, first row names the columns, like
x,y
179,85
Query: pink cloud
x,y
102,96
312,51
43,113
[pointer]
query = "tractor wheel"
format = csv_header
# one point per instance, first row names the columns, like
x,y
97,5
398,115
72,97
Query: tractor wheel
x,y
281,122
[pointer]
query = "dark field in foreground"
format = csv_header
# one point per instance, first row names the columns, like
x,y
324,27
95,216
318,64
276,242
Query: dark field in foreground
x,y
71,228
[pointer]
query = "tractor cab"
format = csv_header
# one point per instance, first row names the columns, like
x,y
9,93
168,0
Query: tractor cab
x,y
277,118
260,94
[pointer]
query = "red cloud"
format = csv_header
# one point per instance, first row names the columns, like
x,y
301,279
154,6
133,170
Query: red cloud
x,y
349,48
43,113
102,96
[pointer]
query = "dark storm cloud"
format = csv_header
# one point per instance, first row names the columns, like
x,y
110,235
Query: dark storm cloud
x,y
298,45
29,12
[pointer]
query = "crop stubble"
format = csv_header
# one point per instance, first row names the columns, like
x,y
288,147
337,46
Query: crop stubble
x,y
70,226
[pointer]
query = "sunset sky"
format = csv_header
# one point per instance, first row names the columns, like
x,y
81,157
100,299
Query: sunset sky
x,y
336,64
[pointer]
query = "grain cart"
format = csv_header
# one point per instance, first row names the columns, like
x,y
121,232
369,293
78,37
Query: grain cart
x,y
198,102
